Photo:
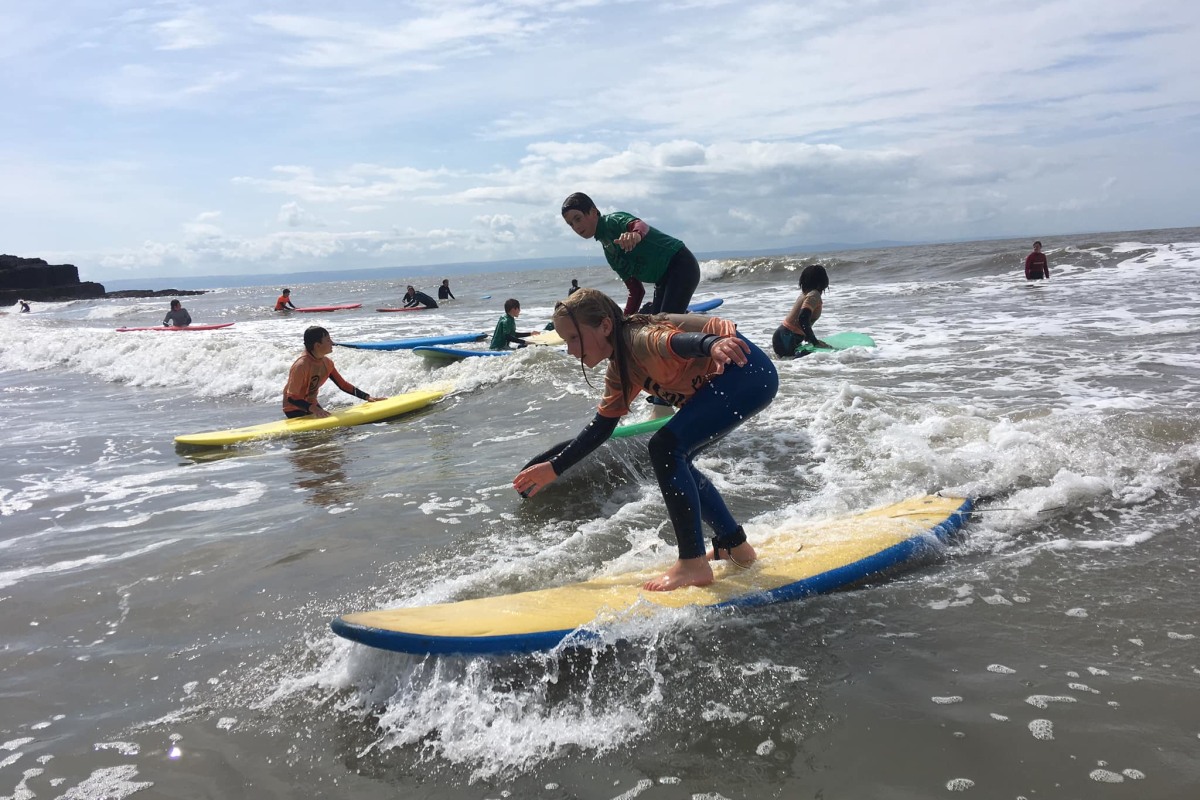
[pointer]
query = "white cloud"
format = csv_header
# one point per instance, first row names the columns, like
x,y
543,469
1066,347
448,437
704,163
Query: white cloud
x,y
452,130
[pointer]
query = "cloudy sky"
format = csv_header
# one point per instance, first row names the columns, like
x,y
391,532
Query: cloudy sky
x,y
270,136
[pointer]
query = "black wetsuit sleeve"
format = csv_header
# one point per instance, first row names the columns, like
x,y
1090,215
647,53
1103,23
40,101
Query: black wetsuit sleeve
x,y
303,404
694,345
591,437
806,326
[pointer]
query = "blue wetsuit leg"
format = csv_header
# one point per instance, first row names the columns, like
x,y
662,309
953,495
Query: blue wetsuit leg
x,y
721,405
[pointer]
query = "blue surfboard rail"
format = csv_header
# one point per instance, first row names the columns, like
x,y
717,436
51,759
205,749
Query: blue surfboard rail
x,y
421,341
458,352
705,305
916,549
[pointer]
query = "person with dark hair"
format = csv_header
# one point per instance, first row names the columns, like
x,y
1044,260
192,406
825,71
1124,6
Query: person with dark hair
x,y
1036,265
638,253
24,306
715,377
309,372
413,298
444,292
574,287
178,316
796,328
506,327
284,303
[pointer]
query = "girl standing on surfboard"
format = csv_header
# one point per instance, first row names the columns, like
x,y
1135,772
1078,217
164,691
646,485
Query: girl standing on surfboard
x,y
700,364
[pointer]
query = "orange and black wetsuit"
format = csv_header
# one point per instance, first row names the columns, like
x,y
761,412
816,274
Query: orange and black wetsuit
x,y
284,302
305,379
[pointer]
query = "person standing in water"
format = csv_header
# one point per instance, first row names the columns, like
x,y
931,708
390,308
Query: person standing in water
x,y
1036,265
638,253
506,327
574,287
796,328
284,303
444,292
177,317
716,377
309,372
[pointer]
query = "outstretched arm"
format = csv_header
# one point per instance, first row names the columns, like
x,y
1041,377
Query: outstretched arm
x,y
535,477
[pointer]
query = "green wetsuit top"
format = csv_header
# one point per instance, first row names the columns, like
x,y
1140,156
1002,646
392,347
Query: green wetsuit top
x,y
648,260
506,332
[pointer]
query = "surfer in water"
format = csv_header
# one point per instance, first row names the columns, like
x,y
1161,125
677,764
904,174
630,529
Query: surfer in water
x,y
1036,265
309,372
506,327
413,298
444,292
178,316
715,377
284,303
796,328
638,253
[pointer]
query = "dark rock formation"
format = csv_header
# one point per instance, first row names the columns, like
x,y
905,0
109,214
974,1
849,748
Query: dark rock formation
x,y
33,279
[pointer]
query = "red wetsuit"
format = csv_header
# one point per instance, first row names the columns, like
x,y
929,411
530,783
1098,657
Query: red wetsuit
x,y
1036,266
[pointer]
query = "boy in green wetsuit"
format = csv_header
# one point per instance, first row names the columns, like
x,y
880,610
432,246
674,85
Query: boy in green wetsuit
x,y
506,327
638,253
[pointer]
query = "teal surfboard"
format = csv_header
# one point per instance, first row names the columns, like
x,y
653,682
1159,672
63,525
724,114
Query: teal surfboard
x,y
838,341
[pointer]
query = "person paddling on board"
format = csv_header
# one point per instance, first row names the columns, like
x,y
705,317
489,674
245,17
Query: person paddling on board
x,y
638,253
506,327
716,377
1036,265
309,372
177,317
796,328
444,292
413,298
284,303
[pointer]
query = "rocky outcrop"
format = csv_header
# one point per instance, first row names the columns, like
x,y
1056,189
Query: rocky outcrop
x,y
33,279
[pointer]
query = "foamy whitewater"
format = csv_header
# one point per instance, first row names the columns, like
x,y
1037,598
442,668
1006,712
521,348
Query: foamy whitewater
x,y
165,612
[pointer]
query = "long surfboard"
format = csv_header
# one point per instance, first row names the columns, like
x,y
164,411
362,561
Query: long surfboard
x,y
312,309
420,341
816,557
354,415
837,341
175,328
408,308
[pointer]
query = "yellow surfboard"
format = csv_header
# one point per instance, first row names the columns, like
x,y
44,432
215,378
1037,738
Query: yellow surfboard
x,y
545,339
820,556
354,415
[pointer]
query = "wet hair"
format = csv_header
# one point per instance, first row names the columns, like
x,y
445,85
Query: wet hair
x,y
1037,244
578,202
591,307
286,291
313,335
510,304
445,281
175,304
574,281
814,277
411,288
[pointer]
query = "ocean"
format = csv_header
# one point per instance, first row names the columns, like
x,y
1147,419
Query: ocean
x,y
166,611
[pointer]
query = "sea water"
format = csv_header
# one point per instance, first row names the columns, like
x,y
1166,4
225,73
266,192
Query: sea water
x,y
165,612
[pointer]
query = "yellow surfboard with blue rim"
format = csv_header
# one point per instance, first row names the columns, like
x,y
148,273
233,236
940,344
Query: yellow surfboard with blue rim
x,y
821,556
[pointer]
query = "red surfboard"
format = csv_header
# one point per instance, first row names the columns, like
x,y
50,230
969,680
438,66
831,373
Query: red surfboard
x,y
327,308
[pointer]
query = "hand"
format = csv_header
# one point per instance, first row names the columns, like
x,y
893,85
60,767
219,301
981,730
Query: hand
x,y
629,240
731,348
532,480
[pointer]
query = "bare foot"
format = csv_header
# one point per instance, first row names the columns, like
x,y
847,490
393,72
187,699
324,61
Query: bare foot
x,y
684,572
743,555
